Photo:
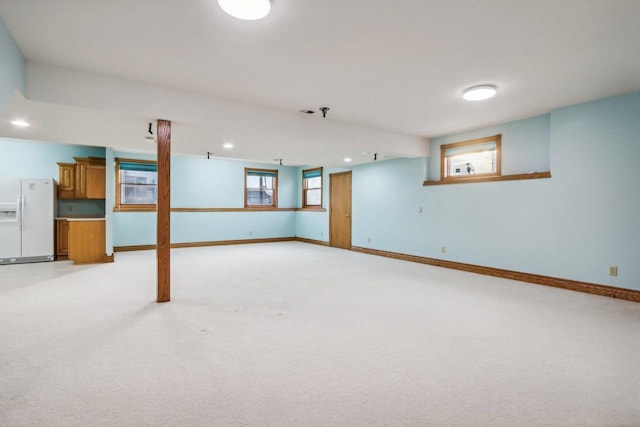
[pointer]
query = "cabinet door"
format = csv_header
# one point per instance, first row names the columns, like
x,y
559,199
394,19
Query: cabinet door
x,y
96,181
62,241
81,178
66,188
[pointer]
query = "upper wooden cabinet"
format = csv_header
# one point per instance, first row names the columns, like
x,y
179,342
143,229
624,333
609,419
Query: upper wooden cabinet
x,y
81,178
67,180
84,179
96,179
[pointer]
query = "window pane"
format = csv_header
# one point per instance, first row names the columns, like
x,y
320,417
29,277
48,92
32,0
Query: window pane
x,y
261,182
259,197
472,163
314,197
314,182
138,194
138,177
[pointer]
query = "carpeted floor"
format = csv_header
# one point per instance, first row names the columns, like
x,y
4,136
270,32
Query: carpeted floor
x,y
292,334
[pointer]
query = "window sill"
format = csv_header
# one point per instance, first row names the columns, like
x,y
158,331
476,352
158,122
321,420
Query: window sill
x,y
312,209
266,209
252,209
516,177
137,208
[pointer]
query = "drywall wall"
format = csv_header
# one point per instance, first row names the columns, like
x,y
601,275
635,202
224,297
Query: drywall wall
x,y
198,182
573,225
525,145
315,225
29,159
14,67
201,122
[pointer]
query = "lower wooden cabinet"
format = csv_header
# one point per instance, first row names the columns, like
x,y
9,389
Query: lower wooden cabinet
x,y
81,240
62,239
87,241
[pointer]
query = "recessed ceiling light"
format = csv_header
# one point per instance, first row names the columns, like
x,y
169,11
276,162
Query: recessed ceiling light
x,y
347,159
249,10
20,123
227,145
479,93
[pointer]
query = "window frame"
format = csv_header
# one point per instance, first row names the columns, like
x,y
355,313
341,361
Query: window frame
x,y
478,141
274,200
120,207
305,205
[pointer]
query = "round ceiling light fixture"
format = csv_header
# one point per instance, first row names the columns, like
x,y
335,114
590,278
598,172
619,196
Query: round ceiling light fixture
x,y
479,93
19,123
249,10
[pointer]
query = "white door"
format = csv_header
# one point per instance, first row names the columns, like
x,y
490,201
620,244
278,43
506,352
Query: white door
x,y
37,217
10,244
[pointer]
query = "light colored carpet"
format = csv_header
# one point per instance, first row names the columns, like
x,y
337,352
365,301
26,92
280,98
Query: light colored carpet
x,y
291,334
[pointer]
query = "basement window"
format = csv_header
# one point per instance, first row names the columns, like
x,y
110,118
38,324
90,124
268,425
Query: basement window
x,y
136,185
312,188
260,188
473,159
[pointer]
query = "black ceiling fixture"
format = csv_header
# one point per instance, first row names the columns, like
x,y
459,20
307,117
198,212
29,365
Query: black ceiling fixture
x,y
324,111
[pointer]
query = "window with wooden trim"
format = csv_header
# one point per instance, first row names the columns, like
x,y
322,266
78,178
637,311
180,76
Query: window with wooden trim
x,y
260,188
473,159
312,188
136,185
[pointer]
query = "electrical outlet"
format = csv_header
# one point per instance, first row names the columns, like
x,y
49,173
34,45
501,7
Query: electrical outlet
x,y
369,240
250,232
70,208
321,233
443,249
420,209
613,270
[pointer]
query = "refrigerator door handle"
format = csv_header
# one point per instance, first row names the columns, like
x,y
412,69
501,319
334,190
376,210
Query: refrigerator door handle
x,y
20,211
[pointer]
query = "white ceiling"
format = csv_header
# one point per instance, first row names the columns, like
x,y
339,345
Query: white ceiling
x,y
398,66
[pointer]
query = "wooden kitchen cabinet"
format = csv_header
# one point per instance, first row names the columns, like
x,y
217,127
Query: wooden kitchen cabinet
x,y
96,179
62,239
84,179
81,178
67,180
87,241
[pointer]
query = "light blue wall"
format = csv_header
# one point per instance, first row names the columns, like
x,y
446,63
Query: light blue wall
x,y
13,66
315,225
525,146
595,149
27,159
215,183
39,159
574,225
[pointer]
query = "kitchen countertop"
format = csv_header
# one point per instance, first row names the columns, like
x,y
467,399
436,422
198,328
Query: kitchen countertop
x,y
82,218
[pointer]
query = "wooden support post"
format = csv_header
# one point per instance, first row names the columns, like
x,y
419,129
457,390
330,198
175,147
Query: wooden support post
x,y
163,247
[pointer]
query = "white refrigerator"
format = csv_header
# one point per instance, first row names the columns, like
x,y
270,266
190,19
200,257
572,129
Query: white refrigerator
x,y
27,214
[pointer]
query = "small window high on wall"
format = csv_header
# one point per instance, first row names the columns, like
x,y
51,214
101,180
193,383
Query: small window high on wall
x,y
261,188
466,160
312,188
136,185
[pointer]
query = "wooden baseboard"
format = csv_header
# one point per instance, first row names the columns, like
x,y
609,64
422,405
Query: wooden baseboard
x,y
231,242
199,244
133,248
591,288
312,241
